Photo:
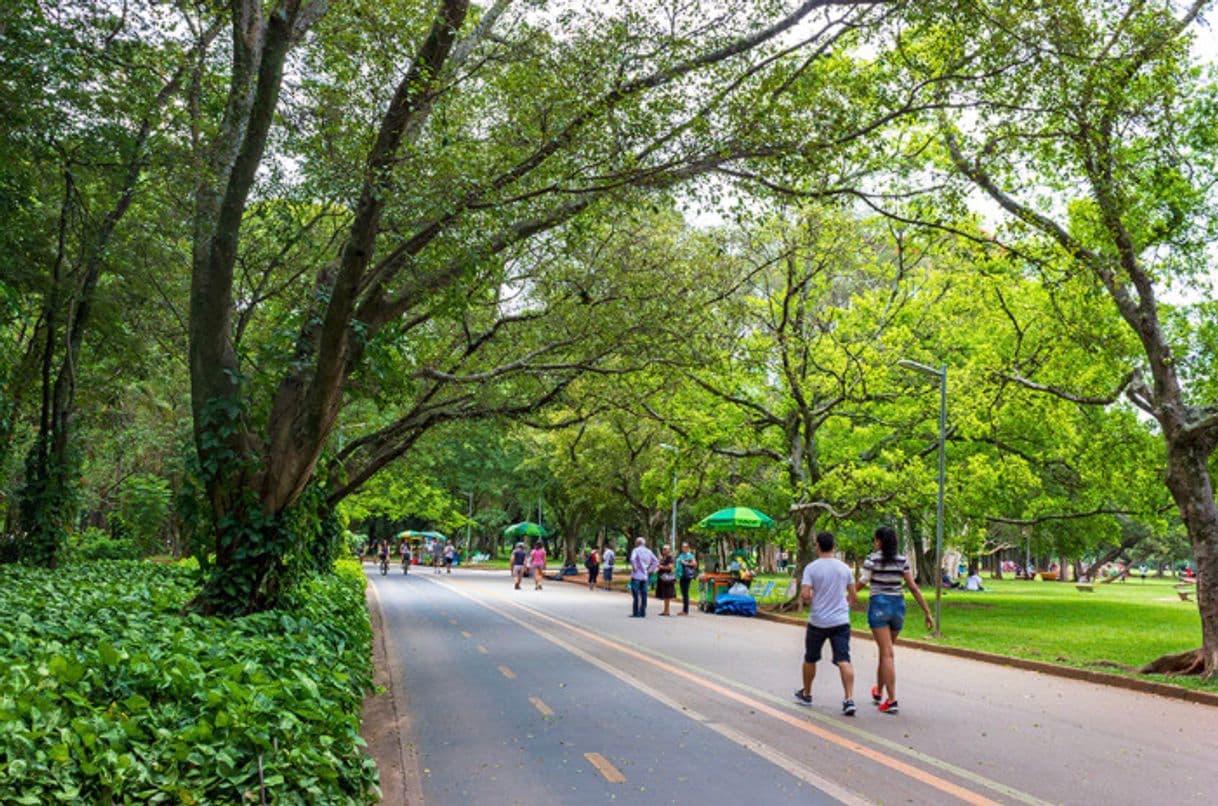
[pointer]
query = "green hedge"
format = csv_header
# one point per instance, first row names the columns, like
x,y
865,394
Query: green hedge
x,y
108,694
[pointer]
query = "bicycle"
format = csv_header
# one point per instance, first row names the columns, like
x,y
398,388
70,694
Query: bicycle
x,y
384,564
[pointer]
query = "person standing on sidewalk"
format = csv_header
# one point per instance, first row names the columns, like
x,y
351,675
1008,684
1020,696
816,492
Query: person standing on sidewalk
x,y
666,584
884,571
687,572
593,564
607,561
829,585
642,564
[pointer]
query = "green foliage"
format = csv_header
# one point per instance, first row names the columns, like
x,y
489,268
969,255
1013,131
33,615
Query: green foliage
x,y
143,510
109,694
96,544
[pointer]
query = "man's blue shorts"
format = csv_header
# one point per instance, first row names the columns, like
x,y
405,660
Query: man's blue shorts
x,y
839,640
886,611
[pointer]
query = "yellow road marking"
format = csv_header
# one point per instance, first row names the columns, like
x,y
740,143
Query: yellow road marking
x,y
465,634
546,710
611,773
452,621
483,649
506,672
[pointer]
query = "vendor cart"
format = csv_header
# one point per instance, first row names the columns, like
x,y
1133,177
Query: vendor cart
x,y
712,585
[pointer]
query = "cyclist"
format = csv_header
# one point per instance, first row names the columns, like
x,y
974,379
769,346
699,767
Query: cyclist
x,y
383,551
404,550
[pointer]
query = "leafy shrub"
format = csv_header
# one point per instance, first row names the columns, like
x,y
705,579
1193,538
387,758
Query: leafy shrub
x,y
95,544
109,694
143,511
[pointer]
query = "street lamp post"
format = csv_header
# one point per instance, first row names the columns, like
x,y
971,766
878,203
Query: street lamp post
x,y
675,450
941,374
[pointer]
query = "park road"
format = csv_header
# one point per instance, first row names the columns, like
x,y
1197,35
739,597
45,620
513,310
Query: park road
x,y
558,696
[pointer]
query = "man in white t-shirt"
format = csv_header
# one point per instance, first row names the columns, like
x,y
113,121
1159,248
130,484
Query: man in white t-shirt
x,y
829,585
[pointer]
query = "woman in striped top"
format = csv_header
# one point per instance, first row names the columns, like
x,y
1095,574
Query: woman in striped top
x,y
884,572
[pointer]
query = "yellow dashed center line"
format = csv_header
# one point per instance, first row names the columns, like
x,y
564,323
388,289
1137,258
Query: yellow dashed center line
x,y
483,649
465,634
546,710
452,621
506,672
611,773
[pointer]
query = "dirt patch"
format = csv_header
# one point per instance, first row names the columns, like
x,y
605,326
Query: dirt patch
x,y
385,726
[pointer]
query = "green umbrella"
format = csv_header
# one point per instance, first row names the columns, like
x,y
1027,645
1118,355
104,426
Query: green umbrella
x,y
736,518
525,529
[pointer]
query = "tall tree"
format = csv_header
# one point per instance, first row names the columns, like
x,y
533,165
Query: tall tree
x,y
501,126
1093,130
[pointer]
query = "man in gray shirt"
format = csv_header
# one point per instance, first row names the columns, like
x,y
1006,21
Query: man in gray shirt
x,y
829,585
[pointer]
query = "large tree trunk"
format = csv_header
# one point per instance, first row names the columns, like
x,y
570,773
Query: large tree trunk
x,y
253,479
1190,483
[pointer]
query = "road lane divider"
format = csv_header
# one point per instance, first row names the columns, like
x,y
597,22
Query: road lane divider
x,y
483,649
506,672
465,634
545,710
611,773
681,668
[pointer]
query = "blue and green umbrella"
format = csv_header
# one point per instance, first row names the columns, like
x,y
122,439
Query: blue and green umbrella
x,y
736,518
525,529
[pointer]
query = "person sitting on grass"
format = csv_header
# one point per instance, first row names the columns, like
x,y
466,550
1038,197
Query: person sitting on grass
x,y
973,582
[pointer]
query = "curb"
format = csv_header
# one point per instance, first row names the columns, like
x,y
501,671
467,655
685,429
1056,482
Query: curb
x,y
1053,669
396,758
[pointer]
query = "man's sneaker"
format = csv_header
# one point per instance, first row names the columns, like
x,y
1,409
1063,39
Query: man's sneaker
x,y
801,698
848,707
889,707
875,695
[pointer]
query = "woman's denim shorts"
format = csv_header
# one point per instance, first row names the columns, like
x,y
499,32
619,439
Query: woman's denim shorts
x,y
886,611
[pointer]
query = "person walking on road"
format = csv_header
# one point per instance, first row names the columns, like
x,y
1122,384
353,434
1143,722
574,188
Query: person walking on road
x,y
687,572
828,584
666,583
593,563
884,571
519,557
642,564
607,561
450,555
537,561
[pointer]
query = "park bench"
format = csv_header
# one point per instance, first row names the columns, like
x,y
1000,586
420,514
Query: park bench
x,y
1086,587
1185,592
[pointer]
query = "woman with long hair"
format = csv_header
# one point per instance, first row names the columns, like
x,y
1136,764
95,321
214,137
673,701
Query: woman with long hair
x,y
537,561
884,572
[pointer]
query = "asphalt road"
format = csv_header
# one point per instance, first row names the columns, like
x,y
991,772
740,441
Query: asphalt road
x,y
558,696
